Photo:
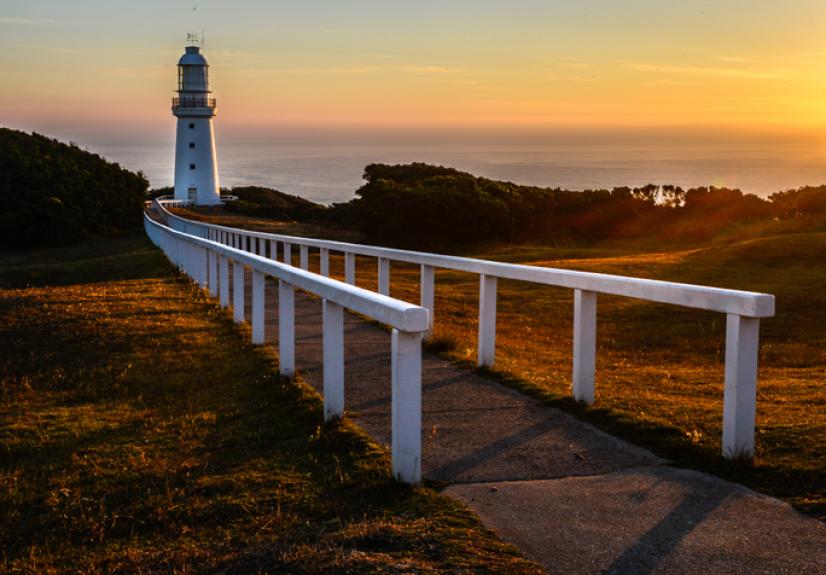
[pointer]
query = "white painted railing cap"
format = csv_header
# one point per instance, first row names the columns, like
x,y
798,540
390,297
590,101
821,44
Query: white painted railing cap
x,y
745,303
401,315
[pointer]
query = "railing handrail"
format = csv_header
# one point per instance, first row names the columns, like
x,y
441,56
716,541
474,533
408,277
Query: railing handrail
x,y
743,303
396,313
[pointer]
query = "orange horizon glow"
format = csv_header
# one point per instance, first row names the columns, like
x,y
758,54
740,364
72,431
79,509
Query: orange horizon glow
x,y
529,66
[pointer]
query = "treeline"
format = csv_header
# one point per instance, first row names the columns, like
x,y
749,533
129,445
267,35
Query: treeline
x,y
54,194
425,206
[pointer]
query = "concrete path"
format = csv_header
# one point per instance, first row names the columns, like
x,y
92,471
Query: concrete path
x,y
571,497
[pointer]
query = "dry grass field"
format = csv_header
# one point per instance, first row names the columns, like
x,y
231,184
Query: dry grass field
x,y
659,368
140,432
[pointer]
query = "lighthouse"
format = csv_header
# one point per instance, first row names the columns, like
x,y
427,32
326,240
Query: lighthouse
x,y
196,165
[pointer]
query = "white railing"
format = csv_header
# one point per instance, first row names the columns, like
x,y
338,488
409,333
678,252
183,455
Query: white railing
x,y
171,202
743,309
207,263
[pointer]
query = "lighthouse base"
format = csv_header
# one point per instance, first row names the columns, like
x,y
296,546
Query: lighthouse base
x,y
196,165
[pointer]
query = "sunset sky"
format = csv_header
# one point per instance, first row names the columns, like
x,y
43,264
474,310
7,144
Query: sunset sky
x,y
109,66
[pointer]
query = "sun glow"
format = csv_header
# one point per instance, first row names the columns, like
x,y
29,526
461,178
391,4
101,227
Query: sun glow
x,y
538,65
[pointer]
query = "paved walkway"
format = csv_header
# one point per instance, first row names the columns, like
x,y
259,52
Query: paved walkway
x,y
571,497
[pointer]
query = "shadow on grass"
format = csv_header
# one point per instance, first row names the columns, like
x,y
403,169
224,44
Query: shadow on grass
x,y
128,256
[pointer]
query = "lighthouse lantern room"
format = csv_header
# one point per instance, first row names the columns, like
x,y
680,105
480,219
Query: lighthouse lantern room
x,y
196,166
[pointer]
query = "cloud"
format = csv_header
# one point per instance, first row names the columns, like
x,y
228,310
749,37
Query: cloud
x,y
578,65
434,70
671,82
26,21
734,59
341,71
705,71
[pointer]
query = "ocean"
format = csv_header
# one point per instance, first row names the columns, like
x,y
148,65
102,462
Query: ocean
x,y
327,171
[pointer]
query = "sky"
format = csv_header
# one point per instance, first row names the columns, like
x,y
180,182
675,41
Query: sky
x,y
520,66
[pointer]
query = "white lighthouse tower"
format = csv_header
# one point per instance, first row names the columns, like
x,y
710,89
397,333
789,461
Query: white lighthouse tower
x,y
196,166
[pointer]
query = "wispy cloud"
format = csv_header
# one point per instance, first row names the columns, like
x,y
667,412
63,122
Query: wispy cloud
x,y
433,70
734,59
706,71
378,55
26,21
671,82
340,71
572,65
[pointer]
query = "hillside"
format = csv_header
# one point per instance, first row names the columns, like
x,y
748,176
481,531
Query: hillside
x,y
56,194
141,432
263,202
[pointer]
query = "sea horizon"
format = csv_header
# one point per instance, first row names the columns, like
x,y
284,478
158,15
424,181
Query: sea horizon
x,y
328,169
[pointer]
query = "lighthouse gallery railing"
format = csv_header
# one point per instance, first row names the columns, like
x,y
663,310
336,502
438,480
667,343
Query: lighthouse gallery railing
x,y
742,308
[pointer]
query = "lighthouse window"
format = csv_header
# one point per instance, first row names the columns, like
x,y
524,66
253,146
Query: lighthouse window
x,y
191,166
191,144
191,126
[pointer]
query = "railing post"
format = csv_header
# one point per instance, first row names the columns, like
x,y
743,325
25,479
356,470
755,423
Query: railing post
x,y
427,292
190,267
304,257
238,291
333,345
223,275
262,247
740,391
212,258
324,262
273,250
585,345
252,246
288,253
406,406
350,268
186,256
487,321
257,307
286,329
203,266
384,276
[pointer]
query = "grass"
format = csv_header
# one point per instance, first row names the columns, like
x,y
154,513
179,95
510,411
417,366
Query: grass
x,y
141,433
659,367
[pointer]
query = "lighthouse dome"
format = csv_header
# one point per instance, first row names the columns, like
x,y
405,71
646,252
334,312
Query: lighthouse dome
x,y
192,57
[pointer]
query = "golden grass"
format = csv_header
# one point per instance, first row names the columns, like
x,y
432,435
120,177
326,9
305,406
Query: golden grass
x,y
141,433
660,368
